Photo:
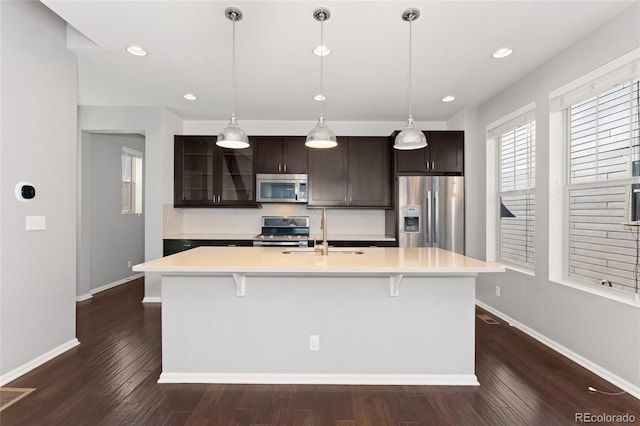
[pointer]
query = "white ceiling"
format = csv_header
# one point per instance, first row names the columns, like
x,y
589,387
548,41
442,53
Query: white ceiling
x,y
366,76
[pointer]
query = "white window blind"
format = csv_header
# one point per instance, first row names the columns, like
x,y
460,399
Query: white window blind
x,y
603,136
131,181
516,192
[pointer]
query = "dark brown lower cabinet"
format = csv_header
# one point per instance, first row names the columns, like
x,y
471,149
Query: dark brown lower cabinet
x,y
172,246
360,243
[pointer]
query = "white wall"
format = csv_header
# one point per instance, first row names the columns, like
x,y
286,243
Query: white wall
x,y
158,125
601,333
301,128
115,239
38,144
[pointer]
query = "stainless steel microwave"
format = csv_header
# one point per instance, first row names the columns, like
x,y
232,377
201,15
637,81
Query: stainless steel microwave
x,y
281,188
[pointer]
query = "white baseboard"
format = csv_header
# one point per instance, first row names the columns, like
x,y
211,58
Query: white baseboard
x,y
84,297
322,379
37,362
148,299
630,388
107,287
116,283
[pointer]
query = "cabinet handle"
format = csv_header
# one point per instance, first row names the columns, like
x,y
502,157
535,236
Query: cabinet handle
x,y
426,165
433,165
285,168
279,168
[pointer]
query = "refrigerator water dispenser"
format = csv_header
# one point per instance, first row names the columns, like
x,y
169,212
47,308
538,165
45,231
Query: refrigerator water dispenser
x,y
411,219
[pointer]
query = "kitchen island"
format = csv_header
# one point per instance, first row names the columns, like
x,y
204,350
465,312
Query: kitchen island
x,y
354,316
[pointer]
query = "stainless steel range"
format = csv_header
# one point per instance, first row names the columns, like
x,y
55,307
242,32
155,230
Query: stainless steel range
x,y
283,231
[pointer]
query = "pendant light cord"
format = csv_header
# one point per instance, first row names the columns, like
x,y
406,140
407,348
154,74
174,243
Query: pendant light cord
x,y
410,74
233,71
321,69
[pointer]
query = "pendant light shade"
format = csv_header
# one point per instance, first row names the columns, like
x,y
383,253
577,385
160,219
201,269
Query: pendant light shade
x,y
410,137
321,135
233,136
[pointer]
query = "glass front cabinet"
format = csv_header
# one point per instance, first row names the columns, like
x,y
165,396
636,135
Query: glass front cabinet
x,y
206,175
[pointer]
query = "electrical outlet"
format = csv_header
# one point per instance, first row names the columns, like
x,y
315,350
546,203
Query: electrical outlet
x,y
314,342
129,264
498,290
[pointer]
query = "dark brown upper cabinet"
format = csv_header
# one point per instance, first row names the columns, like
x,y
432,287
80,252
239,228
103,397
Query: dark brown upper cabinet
x,y
206,175
278,154
327,170
444,155
356,173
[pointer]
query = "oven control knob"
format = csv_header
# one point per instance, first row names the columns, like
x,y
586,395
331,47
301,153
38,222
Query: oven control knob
x,y
271,237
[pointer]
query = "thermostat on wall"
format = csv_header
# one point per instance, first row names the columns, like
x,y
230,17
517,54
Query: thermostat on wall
x,y
25,191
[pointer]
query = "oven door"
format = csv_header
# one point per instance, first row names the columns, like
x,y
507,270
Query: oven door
x,y
262,243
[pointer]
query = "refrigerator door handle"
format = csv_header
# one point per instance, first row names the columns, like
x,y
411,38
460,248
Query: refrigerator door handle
x,y
428,226
437,217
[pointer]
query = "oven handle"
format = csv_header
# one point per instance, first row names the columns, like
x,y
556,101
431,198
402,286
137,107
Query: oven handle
x,y
276,243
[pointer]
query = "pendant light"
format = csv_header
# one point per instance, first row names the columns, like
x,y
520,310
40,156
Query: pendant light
x,y
233,136
321,135
410,137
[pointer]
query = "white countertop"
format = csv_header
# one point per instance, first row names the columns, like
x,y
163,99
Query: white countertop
x,y
272,260
335,237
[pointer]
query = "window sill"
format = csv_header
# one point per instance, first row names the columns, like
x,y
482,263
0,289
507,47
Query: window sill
x,y
613,294
516,268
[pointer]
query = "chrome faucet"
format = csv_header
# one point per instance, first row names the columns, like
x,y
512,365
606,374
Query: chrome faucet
x,y
324,247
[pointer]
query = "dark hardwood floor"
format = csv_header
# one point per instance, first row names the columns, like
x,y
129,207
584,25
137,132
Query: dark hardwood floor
x,y
110,379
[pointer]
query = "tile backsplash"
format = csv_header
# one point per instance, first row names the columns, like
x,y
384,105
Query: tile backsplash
x,y
247,221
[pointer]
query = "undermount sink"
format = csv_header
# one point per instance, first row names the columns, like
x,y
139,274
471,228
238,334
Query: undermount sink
x,y
319,253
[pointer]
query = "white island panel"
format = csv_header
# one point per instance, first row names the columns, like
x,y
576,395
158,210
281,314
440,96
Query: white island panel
x,y
424,336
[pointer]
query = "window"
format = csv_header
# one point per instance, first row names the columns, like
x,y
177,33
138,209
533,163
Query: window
x,y
131,181
603,141
516,194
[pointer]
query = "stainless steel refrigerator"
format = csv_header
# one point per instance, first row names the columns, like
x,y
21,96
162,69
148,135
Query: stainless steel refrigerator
x,y
431,212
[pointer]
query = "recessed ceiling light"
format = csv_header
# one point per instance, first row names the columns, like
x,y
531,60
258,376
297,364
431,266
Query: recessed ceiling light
x,y
319,97
321,51
190,97
448,98
137,51
502,53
